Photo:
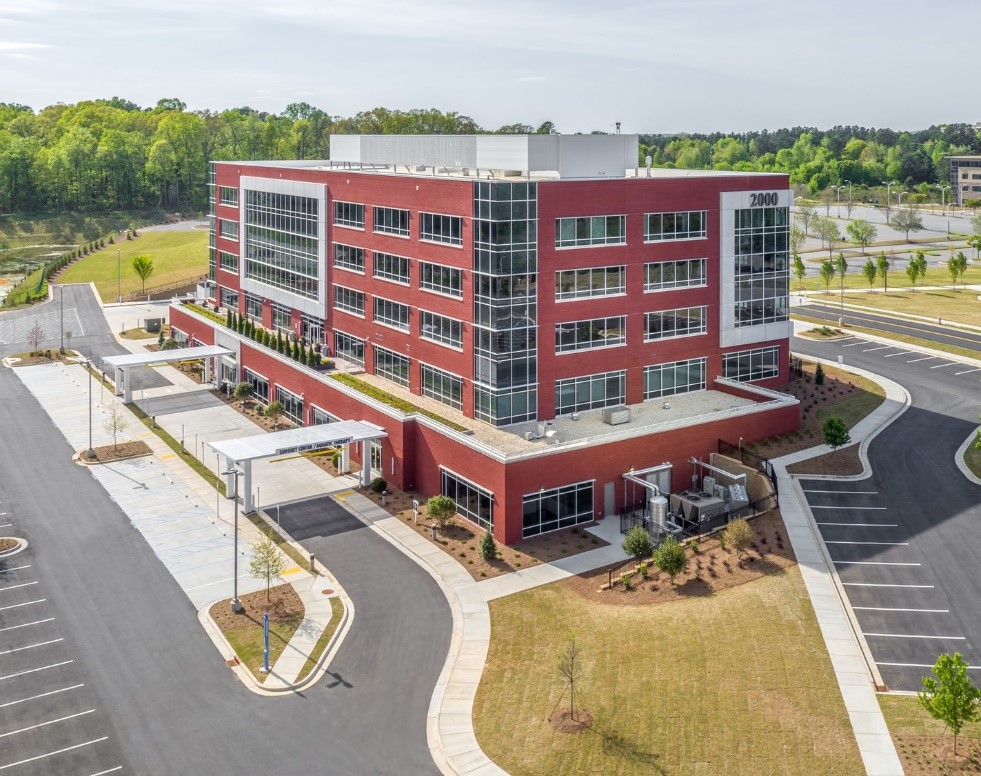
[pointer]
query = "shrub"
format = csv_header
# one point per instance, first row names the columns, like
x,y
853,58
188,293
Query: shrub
x,y
378,485
644,569
335,460
670,557
488,548
819,375
637,542
693,545
835,433
627,579
442,509
242,390
737,535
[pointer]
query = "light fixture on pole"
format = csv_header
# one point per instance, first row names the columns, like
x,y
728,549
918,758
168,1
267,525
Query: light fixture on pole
x,y
944,188
236,603
119,276
61,299
888,185
837,190
90,453
899,197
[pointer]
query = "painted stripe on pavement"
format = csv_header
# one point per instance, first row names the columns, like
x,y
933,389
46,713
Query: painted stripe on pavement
x,y
878,544
44,724
883,584
883,347
30,646
915,636
26,603
864,525
968,371
919,665
899,609
900,353
15,568
22,584
35,670
872,563
42,695
927,358
818,506
26,624
52,754
854,492
941,366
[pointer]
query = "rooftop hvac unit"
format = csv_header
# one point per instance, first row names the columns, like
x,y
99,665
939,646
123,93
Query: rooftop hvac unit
x,y
708,483
614,416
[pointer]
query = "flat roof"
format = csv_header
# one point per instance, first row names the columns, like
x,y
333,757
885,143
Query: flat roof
x,y
297,440
167,356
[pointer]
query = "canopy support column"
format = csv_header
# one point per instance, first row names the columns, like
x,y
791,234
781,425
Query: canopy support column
x,y
247,504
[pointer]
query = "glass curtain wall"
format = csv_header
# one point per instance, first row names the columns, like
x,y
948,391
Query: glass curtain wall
x,y
762,273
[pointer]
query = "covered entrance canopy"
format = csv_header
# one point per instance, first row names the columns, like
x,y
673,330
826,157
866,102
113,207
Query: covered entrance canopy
x,y
123,365
239,453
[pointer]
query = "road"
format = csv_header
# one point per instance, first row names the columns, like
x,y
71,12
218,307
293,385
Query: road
x,y
161,698
906,541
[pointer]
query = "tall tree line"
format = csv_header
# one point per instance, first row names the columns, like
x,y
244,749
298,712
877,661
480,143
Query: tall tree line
x,y
114,154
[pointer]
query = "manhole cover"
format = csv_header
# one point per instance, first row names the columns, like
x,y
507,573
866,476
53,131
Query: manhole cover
x,y
328,591
232,663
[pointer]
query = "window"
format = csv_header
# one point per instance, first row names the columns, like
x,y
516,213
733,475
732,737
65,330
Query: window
x,y
228,196
584,283
349,348
321,417
349,257
391,313
260,385
253,306
576,394
555,508
229,298
282,318
178,336
349,214
442,386
664,275
389,267
439,328
391,220
349,300
762,274
472,501
591,230
443,229
441,279
392,365
674,323
282,242
292,405
748,365
688,225
676,377
228,229
228,261
595,333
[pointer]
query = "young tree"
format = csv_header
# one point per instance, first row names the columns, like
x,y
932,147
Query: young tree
x,y
143,267
916,265
976,223
835,433
806,214
828,231
638,543
882,264
862,232
115,423
488,548
951,697
974,241
275,411
907,220
870,271
797,238
828,272
670,557
738,536
841,266
442,509
35,336
570,667
800,270
827,197
957,266
267,562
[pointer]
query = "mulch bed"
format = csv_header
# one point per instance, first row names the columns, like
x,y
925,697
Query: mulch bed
x,y
284,606
564,722
44,357
930,755
7,544
708,571
109,453
843,462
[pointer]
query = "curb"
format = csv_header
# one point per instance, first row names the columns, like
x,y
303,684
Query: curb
x,y
962,451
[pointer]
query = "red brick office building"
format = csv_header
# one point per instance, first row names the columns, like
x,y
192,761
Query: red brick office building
x,y
576,316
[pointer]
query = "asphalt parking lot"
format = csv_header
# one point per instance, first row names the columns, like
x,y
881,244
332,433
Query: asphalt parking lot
x,y
50,721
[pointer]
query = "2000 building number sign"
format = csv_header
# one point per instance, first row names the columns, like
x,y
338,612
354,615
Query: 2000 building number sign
x,y
768,199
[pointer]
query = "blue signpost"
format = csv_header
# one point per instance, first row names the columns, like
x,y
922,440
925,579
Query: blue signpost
x,y
265,642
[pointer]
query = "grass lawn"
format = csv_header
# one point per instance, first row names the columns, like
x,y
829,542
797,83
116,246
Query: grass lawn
x,y
737,683
177,257
897,278
972,457
925,746
960,305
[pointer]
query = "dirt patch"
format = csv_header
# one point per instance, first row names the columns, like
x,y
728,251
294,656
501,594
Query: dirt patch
x,y
931,755
118,452
284,606
7,544
709,569
843,462
564,721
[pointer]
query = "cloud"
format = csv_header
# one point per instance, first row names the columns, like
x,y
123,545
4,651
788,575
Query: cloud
x,y
529,78
15,46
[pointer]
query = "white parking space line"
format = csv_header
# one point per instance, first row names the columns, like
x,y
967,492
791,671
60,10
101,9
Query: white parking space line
x,y
878,544
42,695
44,724
925,358
30,646
26,624
816,506
919,665
22,584
26,603
883,347
35,670
967,372
884,584
864,525
52,754
900,353
111,770
15,568
872,563
5,525
851,492
853,344
941,366
896,609
915,636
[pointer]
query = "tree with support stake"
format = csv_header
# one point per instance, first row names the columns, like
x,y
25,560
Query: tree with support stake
x,y
267,563
949,695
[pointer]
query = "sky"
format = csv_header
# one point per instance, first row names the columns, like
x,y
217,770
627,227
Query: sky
x,y
661,66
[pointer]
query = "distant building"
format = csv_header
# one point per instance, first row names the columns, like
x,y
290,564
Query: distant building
x,y
575,318
965,178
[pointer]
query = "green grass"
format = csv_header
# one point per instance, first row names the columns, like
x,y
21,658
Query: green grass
x,y
854,408
897,278
248,643
735,683
336,611
960,306
392,401
177,257
972,457
906,717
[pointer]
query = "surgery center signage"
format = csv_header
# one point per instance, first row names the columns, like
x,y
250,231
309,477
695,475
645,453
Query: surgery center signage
x,y
312,446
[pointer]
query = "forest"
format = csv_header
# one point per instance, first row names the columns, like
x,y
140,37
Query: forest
x,y
113,154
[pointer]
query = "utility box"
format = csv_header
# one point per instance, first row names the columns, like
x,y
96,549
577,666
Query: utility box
x,y
614,416
152,325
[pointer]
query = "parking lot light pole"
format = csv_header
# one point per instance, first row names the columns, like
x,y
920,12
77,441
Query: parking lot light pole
x,y
943,196
236,603
90,453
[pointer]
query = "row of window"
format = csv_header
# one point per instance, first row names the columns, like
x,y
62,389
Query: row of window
x,y
433,327
605,332
387,266
608,281
585,231
434,227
